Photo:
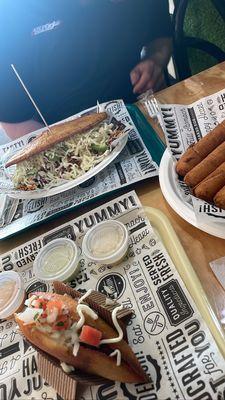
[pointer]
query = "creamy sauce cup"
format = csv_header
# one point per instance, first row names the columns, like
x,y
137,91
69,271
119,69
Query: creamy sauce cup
x,y
106,243
12,294
57,260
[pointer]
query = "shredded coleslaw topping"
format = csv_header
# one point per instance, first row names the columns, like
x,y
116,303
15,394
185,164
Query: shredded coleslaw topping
x,y
66,160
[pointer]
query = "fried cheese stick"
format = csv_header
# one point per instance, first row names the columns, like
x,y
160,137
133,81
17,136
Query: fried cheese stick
x,y
197,152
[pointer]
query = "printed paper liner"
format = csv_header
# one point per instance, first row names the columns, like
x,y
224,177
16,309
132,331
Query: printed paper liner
x,y
155,354
184,125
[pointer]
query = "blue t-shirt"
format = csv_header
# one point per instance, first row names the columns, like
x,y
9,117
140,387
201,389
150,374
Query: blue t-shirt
x,y
71,54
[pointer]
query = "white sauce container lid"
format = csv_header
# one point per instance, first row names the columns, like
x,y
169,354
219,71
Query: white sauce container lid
x,y
110,236
57,260
18,293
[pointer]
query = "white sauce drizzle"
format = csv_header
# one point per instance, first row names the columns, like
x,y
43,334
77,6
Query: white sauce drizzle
x,y
81,308
76,348
67,368
85,295
116,353
117,326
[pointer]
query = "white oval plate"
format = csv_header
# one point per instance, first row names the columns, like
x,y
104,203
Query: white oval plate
x,y
168,185
73,183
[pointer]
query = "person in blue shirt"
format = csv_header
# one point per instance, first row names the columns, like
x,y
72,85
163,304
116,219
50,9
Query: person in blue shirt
x,y
71,53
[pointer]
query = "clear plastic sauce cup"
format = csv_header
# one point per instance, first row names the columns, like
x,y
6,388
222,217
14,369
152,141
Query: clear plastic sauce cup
x,y
106,243
12,294
57,260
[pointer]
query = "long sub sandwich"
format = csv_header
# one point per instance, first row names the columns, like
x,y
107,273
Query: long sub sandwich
x,y
66,152
73,333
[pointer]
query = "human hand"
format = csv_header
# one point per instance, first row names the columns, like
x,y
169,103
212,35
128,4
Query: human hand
x,y
147,75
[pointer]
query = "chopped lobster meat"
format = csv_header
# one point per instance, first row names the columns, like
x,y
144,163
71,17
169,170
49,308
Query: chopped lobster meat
x,y
62,323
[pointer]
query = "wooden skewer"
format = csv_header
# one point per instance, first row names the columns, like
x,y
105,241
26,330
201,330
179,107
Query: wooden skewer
x,y
30,97
99,107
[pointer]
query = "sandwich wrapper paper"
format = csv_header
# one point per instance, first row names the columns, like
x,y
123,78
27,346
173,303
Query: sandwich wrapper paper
x,y
167,333
185,125
132,165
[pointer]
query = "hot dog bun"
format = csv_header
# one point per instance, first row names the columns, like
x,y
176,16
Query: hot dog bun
x,y
87,360
90,360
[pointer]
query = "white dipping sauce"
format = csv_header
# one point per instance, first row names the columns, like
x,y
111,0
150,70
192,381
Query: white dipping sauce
x,y
57,259
106,241
7,290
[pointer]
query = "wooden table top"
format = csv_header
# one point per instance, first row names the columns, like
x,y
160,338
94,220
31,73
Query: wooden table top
x,y
200,247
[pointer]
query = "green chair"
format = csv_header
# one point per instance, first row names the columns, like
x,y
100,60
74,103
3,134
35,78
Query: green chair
x,y
199,35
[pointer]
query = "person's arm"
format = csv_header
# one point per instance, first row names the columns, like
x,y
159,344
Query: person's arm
x,y
148,74
16,110
16,130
